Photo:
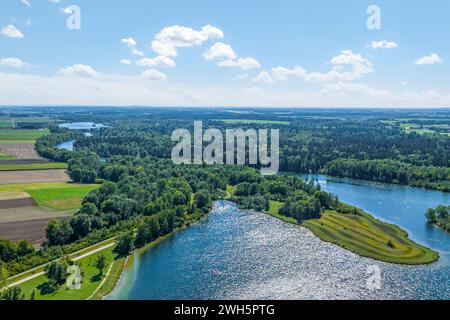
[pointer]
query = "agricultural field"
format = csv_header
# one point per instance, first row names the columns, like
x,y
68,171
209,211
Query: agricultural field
x,y
25,209
30,230
21,136
60,196
61,199
33,176
32,166
29,213
6,156
422,125
19,151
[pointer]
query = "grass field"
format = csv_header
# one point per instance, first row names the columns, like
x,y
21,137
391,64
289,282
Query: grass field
x,y
54,195
273,211
371,238
33,166
4,156
62,199
5,124
90,280
12,136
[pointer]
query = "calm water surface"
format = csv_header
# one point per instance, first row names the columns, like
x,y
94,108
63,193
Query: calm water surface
x,y
235,254
82,125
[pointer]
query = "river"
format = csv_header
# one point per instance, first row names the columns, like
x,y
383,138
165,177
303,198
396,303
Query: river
x,y
235,254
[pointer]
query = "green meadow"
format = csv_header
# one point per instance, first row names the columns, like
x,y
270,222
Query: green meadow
x,y
54,195
61,199
31,166
91,279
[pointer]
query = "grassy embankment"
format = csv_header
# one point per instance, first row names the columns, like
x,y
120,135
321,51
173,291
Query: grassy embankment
x,y
53,195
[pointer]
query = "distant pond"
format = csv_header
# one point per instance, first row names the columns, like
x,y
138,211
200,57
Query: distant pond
x,y
82,125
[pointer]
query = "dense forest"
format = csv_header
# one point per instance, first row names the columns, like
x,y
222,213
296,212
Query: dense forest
x,y
144,196
354,147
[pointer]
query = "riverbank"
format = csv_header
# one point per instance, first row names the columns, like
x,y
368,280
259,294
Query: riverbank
x,y
365,236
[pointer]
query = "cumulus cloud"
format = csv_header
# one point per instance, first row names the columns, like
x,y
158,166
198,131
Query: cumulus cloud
x,y
346,66
153,74
243,63
125,90
170,38
159,61
125,61
12,62
429,60
263,77
137,52
26,2
78,70
220,50
129,42
11,31
384,45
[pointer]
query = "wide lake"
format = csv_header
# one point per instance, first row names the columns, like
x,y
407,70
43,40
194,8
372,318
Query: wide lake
x,y
236,254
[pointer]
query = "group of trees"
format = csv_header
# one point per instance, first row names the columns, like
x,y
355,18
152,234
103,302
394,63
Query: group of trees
x,y
440,217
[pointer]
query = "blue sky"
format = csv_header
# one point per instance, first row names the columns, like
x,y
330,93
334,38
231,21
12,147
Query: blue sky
x,y
287,53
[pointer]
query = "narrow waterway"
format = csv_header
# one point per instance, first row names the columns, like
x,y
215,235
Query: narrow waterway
x,y
235,254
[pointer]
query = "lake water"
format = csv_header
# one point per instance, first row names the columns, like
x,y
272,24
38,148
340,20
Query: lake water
x,y
68,145
82,125
235,254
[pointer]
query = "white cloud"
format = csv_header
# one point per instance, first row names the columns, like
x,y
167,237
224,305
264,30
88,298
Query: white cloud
x,y
346,66
384,45
263,77
137,52
220,50
78,70
125,61
12,32
153,74
243,63
126,90
242,76
429,60
66,10
129,42
170,38
159,61
12,62
54,1
26,2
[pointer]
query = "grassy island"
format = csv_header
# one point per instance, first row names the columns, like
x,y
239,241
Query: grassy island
x,y
364,235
